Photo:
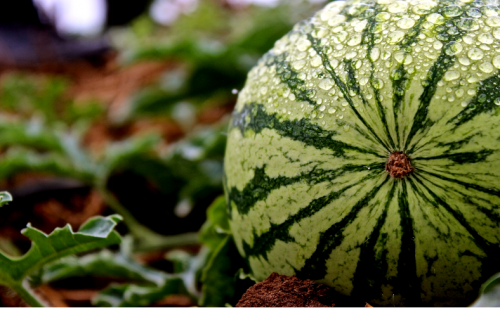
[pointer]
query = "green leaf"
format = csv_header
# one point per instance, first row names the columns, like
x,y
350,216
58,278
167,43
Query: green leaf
x,y
18,159
120,153
133,295
103,264
96,233
216,228
218,276
490,293
5,197
189,267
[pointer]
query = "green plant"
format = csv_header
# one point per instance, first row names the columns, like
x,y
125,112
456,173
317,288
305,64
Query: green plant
x,y
363,152
15,272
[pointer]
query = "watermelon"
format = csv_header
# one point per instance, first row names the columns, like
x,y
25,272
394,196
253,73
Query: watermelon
x,y
364,152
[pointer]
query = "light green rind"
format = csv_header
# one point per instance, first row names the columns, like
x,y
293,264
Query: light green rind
x,y
315,123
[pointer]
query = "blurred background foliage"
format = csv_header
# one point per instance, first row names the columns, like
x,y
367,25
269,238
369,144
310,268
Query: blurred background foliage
x,y
132,121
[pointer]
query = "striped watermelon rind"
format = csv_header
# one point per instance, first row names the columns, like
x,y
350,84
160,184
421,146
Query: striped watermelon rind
x,y
305,167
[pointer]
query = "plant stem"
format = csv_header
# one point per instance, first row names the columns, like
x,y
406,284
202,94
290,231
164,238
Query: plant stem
x,y
27,294
169,242
145,238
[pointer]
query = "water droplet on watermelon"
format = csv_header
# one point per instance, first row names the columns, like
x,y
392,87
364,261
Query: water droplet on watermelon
x,y
453,48
320,32
405,23
464,61
490,10
386,55
436,19
375,54
326,84
424,7
467,24
473,12
451,75
336,20
496,33
485,38
475,54
332,110
493,21
322,108
452,11
471,92
378,83
355,40
496,61
497,101
351,55
460,92
395,37
486,67
437,45
382,17
361,25
297,65
398,7
316,61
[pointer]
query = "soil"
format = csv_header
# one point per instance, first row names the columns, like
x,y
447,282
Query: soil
x,y
283,291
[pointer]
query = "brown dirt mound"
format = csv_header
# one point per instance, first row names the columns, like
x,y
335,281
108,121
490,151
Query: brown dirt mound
x,y
284,291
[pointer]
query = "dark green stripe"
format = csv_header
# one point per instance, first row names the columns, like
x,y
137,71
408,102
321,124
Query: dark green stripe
x,y
290,77
371,271
315,266
466,185
369,40
490,260
261,185
483,102
462,158
438,202
408,284
421,121
342,86
264,243
495,217
436,72
455,145
253,117
400,78
400,82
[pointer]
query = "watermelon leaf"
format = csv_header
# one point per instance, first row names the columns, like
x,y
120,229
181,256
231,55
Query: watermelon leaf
x,y
216,228
5,197
96,233
133,295
104,264
223,261
490,293
218,275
